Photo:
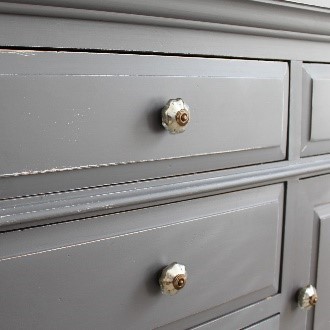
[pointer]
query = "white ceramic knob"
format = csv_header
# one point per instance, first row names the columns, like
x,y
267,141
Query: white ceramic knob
x,y
173,279
307,297
175,116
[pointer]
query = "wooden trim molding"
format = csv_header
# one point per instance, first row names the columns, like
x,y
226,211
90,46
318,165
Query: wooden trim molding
x,y
259,17
58,207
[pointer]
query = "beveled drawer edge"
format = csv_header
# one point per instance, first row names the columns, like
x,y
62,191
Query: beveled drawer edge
x,y
64,206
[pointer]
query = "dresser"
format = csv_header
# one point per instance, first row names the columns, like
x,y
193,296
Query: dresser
x,y
164,164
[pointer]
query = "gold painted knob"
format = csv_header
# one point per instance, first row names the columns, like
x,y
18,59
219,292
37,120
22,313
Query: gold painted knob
x,y
175,116
173,279
307,297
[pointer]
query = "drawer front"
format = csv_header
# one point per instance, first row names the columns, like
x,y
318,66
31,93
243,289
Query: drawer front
x,y
316,113
104,271
62,111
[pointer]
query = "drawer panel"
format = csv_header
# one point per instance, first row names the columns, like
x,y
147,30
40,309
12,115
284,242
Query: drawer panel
x,y
316,105
62,111
102,271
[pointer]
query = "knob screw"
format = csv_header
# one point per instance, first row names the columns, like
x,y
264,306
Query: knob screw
x,y
179,281
182,117
313,300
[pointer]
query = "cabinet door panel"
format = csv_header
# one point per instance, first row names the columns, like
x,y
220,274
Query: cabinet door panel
x,y
314,242
316,114
322,315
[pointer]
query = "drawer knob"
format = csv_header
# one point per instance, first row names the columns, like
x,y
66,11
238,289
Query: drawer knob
x,y
175,116
173,278
307,297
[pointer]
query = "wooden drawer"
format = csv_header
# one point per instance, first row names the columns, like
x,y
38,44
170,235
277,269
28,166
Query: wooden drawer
x,y
102,271
316,105
92,111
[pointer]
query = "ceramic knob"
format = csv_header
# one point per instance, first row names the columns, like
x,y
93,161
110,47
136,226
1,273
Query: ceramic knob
x,y
307,297
175,116
173,279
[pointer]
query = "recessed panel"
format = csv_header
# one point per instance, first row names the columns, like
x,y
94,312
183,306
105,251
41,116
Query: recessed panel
x,y
320,127
316,110
322,317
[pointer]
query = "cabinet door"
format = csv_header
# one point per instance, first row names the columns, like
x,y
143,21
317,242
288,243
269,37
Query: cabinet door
x,y
322,316
317,210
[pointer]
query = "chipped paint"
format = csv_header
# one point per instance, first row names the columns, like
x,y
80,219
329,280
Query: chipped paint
x,y
19,52
62,169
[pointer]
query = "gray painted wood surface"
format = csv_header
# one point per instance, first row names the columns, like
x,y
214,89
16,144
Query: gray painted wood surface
x,y
265,29
61,282
259,14
238,319
272,323
322,317
316,114
257,29
294,132
90,110
63,206
320,113
314,206
318,3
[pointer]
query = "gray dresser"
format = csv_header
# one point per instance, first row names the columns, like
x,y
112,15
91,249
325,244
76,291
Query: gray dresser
x,y
164,165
